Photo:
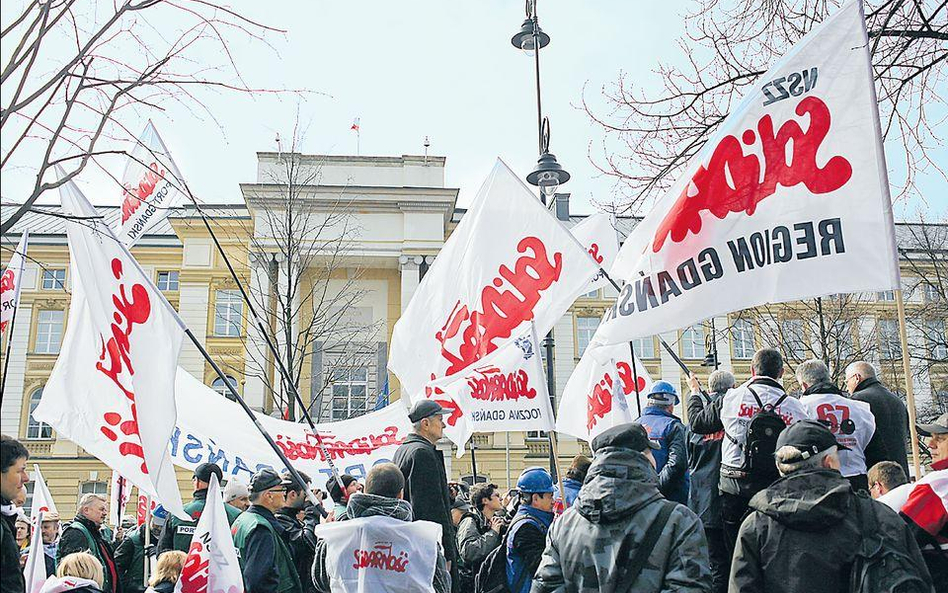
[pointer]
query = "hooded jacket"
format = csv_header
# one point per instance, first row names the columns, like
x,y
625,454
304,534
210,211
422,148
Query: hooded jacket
x,y
671,460
803,534
371,505
300,539
620,498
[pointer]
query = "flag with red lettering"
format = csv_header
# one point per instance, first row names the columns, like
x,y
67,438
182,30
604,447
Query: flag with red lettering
x,y
112,388
11,281
601,392
508,262
151,185
503,391
119,493
211,565
787,200
599,237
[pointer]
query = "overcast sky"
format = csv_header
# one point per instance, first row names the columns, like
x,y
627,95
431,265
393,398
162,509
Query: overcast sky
x,y
412,69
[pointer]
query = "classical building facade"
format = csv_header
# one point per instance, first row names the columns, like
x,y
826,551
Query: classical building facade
x,y
400,213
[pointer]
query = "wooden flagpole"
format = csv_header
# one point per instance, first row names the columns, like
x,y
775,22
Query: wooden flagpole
x,y
909,388
147,538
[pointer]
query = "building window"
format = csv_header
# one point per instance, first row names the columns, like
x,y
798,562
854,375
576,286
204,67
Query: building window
x,y
889,340
28,505
644,347
585,329
692,342
885,296
844,341
793,339
933,293
168,280
54,279
95,487
49,331
742,338
228,311
350,387
34,428
937,339
941,400
591,295
220,387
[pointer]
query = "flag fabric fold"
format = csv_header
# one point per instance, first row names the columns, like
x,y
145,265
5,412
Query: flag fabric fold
x,y
11,281
599,237
211,565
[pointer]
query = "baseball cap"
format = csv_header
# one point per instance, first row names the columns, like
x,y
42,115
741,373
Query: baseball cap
x,y
629,436
810,437
939,426
264,480
424,409
204,471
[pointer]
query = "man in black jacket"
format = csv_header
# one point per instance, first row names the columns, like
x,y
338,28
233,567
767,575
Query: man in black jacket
x,y
13,458
426,482
704,456
130,555
890,413
83,535
177,533
298,535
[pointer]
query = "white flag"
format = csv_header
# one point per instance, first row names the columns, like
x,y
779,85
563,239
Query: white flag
x,y
788,199
601,392
502,392
211,565
508,262
42,499
599,237
150,185
34,573
119,493
112,388
11,282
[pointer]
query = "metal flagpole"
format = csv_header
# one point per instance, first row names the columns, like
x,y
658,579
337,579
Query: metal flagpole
x,y
909,387
473,463
507,456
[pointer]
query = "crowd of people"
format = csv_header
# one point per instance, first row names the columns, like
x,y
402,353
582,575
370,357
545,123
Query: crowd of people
x,y
762,491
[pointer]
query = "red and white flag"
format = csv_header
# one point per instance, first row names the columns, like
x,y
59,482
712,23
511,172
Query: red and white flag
x,y
502,392
151,186
35,570
42,499
211,565
355,125
119,493
787,200
112,388
508,263
601,392
599,237
11,282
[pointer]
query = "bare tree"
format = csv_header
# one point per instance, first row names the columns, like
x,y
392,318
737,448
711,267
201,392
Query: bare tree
x,y
649,137
74,68
315,293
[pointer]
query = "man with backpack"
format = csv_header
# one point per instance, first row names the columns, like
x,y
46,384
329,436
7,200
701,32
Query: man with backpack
x,y
621,534
479,532
809,531
526,536
752,417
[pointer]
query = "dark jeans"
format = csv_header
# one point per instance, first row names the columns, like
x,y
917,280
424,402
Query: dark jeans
x,y
720,559
733,509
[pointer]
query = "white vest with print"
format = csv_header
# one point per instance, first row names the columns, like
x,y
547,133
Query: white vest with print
x,y
739,406
851,422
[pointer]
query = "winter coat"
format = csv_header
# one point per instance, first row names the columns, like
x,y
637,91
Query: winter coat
x,y
620,497
177,533
76,538
475,541
671,461
803,534
162,587
891,423
570,490
301,540
11,577
130,560
370,505
426,487
265,560
525,543
704,461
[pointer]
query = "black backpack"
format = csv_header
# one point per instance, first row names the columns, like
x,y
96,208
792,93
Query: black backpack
x,y
880,566
760,442
492,574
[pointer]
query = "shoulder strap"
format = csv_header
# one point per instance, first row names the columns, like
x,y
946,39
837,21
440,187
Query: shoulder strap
x,y
633,568
760,404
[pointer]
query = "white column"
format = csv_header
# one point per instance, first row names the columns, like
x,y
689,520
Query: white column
x,y
411,276
193,303
13,394
255,350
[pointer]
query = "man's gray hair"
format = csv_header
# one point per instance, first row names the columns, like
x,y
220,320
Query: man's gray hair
x,y
812,372
416,426
866,370
89,498
787,452
720,381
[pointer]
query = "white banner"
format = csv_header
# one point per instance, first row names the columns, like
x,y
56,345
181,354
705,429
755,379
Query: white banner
x,y
212,428
11,281
118,360
42,499
372,554
508,262
34,573
150,186
502,392
599,237
601,392
211,565
787,200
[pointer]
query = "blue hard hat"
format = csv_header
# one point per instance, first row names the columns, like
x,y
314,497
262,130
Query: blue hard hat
x,y
535,480
663,392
